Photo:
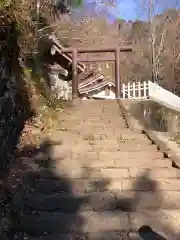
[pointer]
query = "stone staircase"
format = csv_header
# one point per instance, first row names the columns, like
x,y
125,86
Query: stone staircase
x,y
103,182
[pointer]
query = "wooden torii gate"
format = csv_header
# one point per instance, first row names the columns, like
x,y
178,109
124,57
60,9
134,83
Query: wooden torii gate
x,y
75,59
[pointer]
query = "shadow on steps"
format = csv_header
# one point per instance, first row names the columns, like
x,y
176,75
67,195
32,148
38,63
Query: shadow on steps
x,y
47,205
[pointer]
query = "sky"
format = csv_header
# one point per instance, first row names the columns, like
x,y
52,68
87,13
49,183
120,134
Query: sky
x,y
126,9
130,10
138,9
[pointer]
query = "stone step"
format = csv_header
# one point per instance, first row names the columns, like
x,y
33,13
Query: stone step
x,y
104,236
106,173
141,184
122,134
145,200
100,134
92,111
48,186
99,121
147,184
120,145
104,201
111,235
136,156
107,145
89,167
106,123
70,203
59,222
67,149
92,161
91,145
156,173
89,113
103,128
135,146
129,135
77,173
74,137
83,124
101,125
112,120
79,186
120,159
111,135
141,162
94,222
81,147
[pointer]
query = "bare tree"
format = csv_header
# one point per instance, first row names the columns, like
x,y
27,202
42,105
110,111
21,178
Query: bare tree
x,y
158,27
156,41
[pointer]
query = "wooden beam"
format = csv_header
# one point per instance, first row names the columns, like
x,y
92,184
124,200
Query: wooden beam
x,y
97,50
117,73
96,59
74,75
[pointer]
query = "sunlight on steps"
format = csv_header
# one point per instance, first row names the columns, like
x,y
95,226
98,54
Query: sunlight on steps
x,y
109,183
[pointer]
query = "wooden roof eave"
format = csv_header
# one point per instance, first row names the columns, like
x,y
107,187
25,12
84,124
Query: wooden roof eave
x,y
96,87
56,47
90,81
85,75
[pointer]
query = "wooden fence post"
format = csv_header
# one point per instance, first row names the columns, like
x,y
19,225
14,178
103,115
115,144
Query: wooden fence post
x,y
117,73
74,75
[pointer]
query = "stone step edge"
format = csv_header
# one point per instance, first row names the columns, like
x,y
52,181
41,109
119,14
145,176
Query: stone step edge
x,y
43,173
121,235
109,201
121,220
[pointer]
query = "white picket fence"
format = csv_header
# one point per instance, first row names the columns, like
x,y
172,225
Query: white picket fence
x,y
135,90
152,91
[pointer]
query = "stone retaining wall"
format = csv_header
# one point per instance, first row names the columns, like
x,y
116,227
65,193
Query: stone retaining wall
x,y
159,123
